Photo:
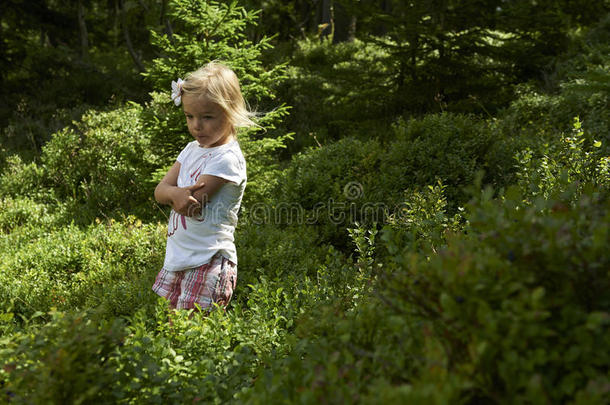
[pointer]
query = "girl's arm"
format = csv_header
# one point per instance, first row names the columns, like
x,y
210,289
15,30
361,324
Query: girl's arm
x,y
186,200
211,184
180,198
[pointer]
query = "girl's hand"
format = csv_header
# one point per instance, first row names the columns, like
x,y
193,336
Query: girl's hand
x,y
187,200
183,201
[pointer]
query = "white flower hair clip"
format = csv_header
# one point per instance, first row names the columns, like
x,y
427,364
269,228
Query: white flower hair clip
x,y
177,91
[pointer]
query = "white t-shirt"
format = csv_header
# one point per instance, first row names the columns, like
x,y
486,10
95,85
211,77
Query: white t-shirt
x,y
193,241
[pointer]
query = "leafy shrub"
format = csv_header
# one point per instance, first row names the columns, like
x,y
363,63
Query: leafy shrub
x,y
538,118
107,265
332,187
516,306
514,310
68,360
276,252
354,181
17,212
341,343
421,222
449,147
103,165
575,160
21,179
585,84
582,87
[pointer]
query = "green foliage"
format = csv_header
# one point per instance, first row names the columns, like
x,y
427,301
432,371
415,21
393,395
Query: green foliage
x,y
333,187
421,222
276,251
530,281
68,360
286,20
336,90
339,184
102,165
449,147
107,264
261,154
20,179
17,212
160,363
449,55
582,87
575,162
32,122
55,67
512,310
537,117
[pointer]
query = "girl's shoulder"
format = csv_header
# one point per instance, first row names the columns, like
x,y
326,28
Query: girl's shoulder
x,y
232,155
187,151
228,163
230,151
235,149
192,145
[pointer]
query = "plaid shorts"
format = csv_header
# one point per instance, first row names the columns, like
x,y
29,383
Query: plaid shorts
x,y
205,285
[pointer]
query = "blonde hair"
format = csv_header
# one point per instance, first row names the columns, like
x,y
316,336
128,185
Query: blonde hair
x,y
220,85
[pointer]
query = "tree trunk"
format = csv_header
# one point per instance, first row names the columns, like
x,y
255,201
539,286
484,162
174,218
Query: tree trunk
x,y
132,52
344,24
117,24
351,31
82,28
326,19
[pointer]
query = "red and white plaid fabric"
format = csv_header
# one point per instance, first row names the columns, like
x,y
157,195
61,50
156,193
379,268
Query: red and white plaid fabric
x,y
205,285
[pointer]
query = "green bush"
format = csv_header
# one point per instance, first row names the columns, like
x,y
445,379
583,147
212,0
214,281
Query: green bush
x,y
21,179
517,305
108,265
513,310
344,342
538,118
575,161
331,187
449,147
17,212
355,181
580,87
103,165
421,222
276,252
585,84
66,361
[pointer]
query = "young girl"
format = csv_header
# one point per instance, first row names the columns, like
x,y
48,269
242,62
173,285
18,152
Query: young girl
x,y
204,187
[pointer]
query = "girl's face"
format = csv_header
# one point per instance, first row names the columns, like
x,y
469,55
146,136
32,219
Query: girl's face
x,y
206,121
